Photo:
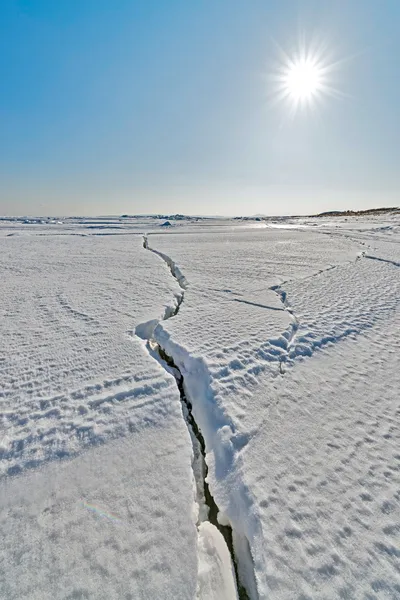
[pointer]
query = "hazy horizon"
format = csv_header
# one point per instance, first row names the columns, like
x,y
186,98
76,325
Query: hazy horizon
x,y
171,214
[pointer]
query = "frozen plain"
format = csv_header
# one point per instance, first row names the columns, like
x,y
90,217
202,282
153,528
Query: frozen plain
x,y
287,339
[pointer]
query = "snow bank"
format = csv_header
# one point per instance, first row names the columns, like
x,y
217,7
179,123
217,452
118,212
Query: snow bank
x,y
216,577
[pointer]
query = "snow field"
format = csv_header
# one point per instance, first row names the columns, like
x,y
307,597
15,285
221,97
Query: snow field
x,y
72,371
234,373
328,495
116,520
281,344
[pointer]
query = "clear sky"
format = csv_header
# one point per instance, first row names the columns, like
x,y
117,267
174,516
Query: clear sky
x,y
127,106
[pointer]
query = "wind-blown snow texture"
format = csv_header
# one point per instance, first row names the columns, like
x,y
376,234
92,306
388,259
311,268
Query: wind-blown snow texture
x,y
117,521
288,341
72,371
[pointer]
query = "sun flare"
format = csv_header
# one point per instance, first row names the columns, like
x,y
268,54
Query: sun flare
x,y
304,78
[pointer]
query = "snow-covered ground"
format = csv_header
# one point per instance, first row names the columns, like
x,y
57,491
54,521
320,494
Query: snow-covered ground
x,y
114,519
240,376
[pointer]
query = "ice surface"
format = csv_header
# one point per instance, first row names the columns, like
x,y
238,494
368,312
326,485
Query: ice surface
x,y
112,523
118,520
287,336
324,472
72,371
284,383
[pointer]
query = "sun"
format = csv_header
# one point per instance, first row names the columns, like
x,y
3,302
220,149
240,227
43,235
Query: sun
x,y
304,78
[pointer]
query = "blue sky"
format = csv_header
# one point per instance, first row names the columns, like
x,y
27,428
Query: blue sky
x,y
115,106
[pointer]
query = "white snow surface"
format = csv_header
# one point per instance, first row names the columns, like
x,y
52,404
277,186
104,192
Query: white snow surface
x,y
216,573
73,373
288,342
287,336
113,523
116,520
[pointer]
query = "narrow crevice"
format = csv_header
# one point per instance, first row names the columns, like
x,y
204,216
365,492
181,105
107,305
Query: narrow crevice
x,y
212,508
175,272
385,260
200,471
291,335
256,304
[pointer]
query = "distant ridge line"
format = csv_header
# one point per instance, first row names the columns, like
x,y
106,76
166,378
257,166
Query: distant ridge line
x,y
351,213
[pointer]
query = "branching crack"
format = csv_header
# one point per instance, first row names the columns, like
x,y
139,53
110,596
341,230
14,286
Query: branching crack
x,y
200,469
291,335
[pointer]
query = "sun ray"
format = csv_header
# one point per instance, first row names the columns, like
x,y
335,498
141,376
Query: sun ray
x,y
304,78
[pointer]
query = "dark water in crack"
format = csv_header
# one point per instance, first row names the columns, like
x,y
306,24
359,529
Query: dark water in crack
x,y
213,509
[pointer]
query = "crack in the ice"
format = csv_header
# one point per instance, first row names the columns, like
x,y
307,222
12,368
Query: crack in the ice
x,y
385,260
175,272
315,274
290,335
203,489
359,256
257,304
205,499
